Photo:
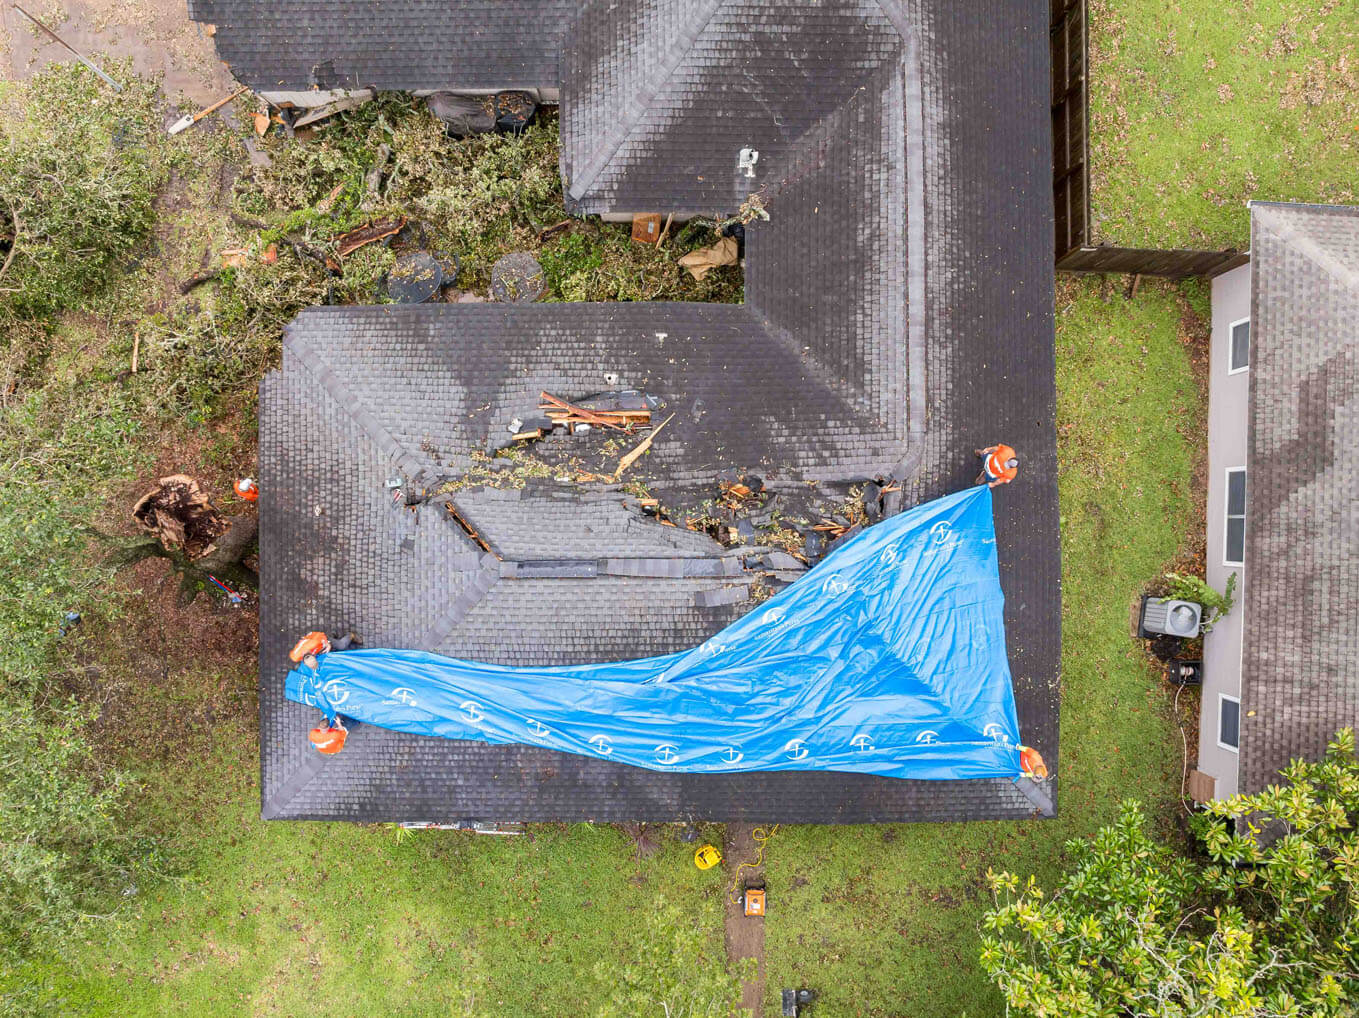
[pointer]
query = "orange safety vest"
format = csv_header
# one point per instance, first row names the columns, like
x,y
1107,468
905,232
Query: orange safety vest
x,y
996,466
328,740
312,643
1031,762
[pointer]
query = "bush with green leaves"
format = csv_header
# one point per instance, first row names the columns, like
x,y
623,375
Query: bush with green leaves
x,y
1263,923
1193,588
65,849
80,167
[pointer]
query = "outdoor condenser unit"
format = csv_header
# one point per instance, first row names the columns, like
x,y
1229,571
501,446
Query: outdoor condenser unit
x,y
1162,615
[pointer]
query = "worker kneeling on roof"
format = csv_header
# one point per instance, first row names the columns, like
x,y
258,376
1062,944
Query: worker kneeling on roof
x,y
1000,465
328,738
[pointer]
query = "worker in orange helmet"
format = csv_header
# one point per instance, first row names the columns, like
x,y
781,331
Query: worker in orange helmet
x,y
245,488
328,738
1031,763
1000,465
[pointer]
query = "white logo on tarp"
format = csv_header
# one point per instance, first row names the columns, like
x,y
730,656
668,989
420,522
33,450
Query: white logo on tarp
x,y
667,753
837,585
537,727
941,531
890,555
775,616
797,749
928,737
601,744
733,755
471,712
335,692
404,696
995,731
861,742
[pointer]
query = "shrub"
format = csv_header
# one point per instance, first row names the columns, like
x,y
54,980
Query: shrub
x,y
1269,926
1192,588
78,183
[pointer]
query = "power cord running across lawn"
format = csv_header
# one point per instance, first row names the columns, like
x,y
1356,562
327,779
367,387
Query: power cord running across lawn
x,y
761,838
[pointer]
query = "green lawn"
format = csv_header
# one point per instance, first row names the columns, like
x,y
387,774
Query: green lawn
x,y
1197,106
270,919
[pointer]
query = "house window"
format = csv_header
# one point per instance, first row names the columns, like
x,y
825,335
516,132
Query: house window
x,y
1238,357
1228,722
1234,554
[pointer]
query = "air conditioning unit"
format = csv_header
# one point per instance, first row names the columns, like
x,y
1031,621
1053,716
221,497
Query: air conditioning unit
x,y
1164,616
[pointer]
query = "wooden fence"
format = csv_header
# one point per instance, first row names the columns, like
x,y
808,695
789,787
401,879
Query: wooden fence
x,y
1070,125
1070,45
1150,262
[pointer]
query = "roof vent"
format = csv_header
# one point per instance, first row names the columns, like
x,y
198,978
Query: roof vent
x,y
746,160
1170,617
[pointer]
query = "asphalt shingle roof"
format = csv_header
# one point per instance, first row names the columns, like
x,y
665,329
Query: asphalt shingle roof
x,y
898,315
1300,659
413,45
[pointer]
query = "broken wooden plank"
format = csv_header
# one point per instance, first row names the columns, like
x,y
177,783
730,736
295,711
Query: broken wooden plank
x,y
348,243
641,449
586,416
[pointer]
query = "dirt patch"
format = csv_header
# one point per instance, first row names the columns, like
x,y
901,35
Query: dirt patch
x,y
162,668
156,34
744,936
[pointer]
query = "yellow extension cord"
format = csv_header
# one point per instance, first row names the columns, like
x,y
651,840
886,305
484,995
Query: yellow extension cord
x,y
761,838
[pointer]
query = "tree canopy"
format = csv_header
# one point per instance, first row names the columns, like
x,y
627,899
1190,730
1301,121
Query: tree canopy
x,y
1261,921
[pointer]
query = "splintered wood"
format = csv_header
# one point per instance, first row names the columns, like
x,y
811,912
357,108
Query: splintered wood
x,y
640,451
569,415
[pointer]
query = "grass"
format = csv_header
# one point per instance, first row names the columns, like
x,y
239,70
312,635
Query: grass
x,y
882,920
268,919
1198,106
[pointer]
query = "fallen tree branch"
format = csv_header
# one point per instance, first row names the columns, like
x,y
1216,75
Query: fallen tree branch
x,y
14,246
198,280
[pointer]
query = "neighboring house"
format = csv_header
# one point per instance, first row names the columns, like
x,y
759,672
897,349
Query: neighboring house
x,y
897,316
1281,672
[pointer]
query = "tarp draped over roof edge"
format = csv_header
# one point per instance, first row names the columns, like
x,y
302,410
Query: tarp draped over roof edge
x,y
888,658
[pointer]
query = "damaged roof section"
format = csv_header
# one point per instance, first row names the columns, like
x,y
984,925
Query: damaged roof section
x,y
897,316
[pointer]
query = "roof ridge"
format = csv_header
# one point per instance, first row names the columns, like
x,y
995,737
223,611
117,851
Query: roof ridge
x,y
487,576
271,808
1277,223
641,102
311,359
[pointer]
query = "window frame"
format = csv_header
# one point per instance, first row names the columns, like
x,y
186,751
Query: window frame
x,y
1231,328
1221,697
1227,517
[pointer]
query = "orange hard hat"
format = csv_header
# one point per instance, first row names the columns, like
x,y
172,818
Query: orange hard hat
x,y
312,643
1031,762
328,739
245,488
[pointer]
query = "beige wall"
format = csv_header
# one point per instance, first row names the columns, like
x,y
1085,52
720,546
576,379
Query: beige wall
x,y
1228,417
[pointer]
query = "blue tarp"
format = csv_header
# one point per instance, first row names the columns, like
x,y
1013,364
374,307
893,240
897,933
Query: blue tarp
x,y
887,658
